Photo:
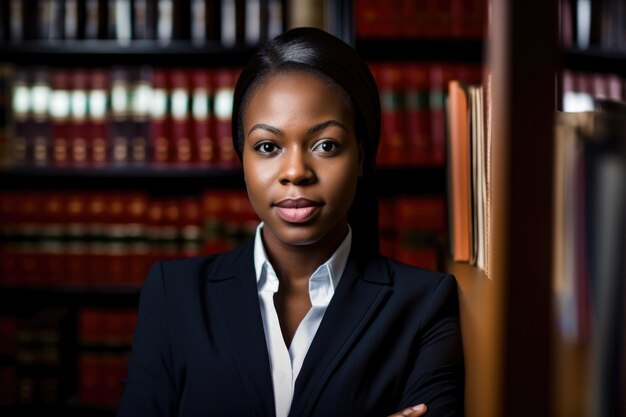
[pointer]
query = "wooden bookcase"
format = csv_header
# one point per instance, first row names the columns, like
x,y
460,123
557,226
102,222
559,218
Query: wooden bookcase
x,y
507,317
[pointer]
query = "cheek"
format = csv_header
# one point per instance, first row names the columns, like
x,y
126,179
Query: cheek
x,y
258,177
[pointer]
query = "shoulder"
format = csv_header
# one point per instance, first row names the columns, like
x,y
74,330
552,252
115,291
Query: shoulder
x,y
406,276
180,273
414,288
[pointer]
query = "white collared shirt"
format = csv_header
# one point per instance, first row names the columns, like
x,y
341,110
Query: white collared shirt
x,y
285,363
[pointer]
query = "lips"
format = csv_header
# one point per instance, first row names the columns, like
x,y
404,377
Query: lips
x,y
297,210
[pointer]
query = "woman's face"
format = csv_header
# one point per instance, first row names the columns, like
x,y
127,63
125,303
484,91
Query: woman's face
x,y
301,159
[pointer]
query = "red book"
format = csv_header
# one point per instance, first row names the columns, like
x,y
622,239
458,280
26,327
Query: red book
x,y
419,223
20,112
378,18
224,81
60,114
39,143
159,117
53,258
191,227
202,120
413,20
393,141
437,14
78,117
440,75
140,86
419,138
180,116
120,125
214,208
138,253
97,125
77,239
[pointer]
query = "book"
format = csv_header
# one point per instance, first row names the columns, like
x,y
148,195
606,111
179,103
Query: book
x,y
60,107
97,123
120,125
393,140
39,134
418,131
78,116
140,96
160,120
180,110
224,83
203,139
459,169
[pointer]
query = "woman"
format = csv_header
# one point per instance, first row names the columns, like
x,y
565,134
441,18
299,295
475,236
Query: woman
x,y
306,319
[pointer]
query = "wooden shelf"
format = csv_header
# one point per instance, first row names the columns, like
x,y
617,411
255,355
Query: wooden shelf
x,y
595,60
439,50
106,52
26,298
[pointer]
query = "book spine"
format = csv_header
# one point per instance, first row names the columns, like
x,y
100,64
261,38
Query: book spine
x,y
203,140
419,139
393,133
141,94
159,117
78,118
98,117
180,116
120,116
165,21
60,106
223,103
40,134
71,22
21,109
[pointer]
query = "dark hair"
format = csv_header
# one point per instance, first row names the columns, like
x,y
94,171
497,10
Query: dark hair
x,y
329,58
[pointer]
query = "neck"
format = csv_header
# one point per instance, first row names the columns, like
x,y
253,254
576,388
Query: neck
x,y
294,265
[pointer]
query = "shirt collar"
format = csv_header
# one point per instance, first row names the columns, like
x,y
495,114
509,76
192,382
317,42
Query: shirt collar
x,y
327,275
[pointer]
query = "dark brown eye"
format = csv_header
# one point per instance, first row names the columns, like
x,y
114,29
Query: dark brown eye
x,y
327,147
266,148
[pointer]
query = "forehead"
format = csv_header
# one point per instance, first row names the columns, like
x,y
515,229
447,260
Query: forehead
x,y
297,92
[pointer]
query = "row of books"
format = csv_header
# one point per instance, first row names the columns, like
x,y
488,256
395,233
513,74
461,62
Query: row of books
x,y
589,248
141,115
413,97
36,373
90,238
229,22
87,238
581,89
413,229
421,19
100,378
40,374
593,23
121,116
106,327
104,337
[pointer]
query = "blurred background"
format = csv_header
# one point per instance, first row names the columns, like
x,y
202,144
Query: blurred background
x,y
115,152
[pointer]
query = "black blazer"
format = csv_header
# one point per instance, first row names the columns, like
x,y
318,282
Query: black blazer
x,y
390,338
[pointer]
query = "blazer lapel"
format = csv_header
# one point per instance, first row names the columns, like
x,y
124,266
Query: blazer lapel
x,y
353,306
233,302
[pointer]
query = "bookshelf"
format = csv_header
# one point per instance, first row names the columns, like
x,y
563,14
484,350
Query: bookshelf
x,y
507,317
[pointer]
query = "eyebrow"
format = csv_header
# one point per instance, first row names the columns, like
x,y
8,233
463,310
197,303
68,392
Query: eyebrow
x,y
312,130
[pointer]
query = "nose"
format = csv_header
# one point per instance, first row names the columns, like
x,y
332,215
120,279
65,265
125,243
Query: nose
x,y
296,169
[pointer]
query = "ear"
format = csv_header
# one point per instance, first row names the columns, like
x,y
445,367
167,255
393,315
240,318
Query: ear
x,y
361,158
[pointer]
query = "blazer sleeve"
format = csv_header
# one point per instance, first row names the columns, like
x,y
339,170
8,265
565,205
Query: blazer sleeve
x,y
149,389
437,377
